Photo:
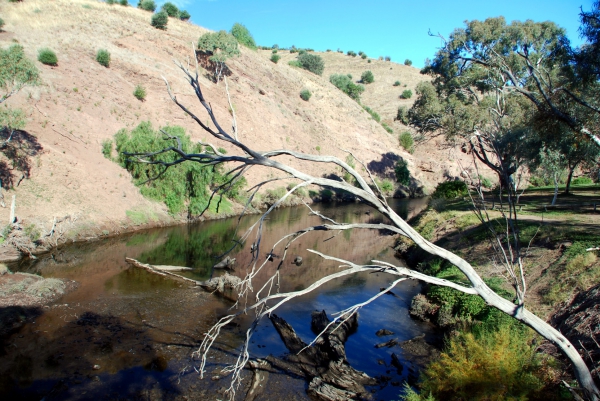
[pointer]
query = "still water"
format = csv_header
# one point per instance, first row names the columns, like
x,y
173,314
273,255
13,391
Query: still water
x,y
128,334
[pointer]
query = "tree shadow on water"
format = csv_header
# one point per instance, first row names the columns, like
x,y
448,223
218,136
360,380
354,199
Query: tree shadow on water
x,y
17,149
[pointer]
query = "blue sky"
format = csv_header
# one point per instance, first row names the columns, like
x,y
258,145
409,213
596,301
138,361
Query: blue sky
x,y
395,28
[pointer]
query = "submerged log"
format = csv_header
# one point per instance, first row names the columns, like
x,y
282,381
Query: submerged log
x,y
324,364
226,263
162,270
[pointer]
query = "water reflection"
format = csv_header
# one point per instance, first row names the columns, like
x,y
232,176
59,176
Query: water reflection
x,y
125,331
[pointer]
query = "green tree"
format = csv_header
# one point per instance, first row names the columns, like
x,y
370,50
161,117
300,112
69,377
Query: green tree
x,y
551,167
160,20
16,71
219,46
529,59
312,62
243,35
171,9
408,62
367,77
148,5
184,15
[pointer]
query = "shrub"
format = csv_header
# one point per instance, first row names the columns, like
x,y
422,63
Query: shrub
x,y
387,128
47,56
160,20
171,9
402,173
345,84
273,51
386,186
140,92
312,62
221,45
184,15
103,57
1,24
367,77
184,186
124,3
402,115
582,181
407,141
305,94
450,190
407,62
148,5
275,58
364,56
243,36
486,364
294,63
397,83
369,61
107,146
351,53
373,113
110,2
407,94
388,58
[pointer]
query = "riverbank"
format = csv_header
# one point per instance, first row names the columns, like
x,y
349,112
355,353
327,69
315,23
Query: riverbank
x,y
557,267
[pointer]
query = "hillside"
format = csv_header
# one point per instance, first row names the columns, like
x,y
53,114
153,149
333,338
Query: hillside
x,y
80,104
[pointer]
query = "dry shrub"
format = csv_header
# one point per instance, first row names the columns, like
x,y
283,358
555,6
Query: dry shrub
x,y
47,287
489,365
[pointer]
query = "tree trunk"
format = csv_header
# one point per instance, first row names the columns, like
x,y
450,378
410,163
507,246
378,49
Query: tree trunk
x,y
571,171
555,189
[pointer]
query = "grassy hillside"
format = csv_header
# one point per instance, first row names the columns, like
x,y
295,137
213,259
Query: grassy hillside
x,y
80,104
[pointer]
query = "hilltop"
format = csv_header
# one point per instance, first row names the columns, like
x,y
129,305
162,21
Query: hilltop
x,y
79,104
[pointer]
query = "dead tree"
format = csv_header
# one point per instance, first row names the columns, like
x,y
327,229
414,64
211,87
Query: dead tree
x,y
267,299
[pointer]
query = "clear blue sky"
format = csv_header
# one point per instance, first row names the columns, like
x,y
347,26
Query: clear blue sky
x,y
395,28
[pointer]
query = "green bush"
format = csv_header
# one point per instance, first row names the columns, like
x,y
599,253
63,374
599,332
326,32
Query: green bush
x,y
407,62
388,58
345,84
312,62
402,115
407,141
407,94
367,77
582,181
221,45
351,53
305,94
47,56
275,58
110,2
148,5
1,24
107,146
171,9
450,190
294,63
140,92
184,15
373,113
274,51
363,56
386,186
124,3
397,83
186,186
160,20
402,173
103,57
387,128
243,36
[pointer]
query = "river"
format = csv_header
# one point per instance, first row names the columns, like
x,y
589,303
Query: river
x,y
127,334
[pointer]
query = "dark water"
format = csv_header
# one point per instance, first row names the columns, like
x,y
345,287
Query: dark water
x,y
127,334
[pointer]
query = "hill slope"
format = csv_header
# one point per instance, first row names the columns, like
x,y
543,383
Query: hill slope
x,y
80,104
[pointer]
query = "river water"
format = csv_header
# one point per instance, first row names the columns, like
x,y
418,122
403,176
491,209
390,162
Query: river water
x,y
125,333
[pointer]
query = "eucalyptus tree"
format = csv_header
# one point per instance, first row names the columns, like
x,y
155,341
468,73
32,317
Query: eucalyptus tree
x,y
268,298
530,59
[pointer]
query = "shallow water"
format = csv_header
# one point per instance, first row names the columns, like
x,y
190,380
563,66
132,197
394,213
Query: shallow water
x,y
128,334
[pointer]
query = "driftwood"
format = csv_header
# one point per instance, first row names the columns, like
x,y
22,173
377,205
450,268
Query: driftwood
x,y
226,263
162,270
222,284
324,364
